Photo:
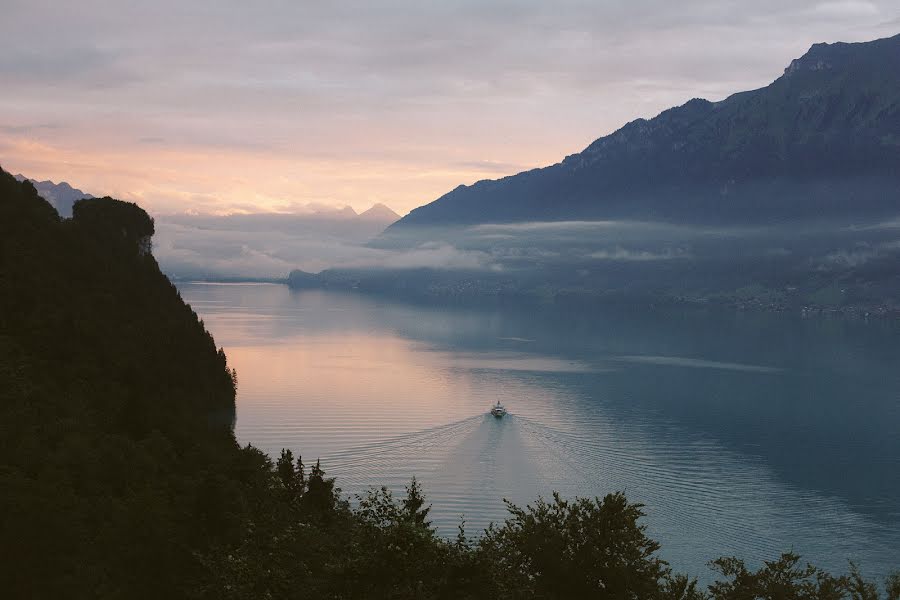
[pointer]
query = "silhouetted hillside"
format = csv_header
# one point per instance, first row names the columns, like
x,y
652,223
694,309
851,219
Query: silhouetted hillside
x,y
115,407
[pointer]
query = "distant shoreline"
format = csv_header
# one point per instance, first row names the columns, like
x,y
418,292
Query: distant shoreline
x,y
228,280
579,300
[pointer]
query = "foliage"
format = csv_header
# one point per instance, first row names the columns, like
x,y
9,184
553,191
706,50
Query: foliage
x,y
115,411
578,549
107,214
787,579
782,578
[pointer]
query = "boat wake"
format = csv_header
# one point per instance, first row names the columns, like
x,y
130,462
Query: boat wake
x,y
467,467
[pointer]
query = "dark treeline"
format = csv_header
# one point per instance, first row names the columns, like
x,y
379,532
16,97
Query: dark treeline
x,y
120,476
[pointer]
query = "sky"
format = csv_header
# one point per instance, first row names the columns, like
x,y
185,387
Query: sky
x,y
221,107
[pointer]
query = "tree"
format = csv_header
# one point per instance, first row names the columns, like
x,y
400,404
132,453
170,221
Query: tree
x,y
413,506
321,496
578,549
300,474
123,224
892,586
285,469
783,578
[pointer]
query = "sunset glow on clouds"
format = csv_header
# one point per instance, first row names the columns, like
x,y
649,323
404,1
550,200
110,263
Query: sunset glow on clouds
x,y
207,107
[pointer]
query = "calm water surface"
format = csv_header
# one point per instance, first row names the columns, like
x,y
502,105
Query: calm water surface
x,y
744,434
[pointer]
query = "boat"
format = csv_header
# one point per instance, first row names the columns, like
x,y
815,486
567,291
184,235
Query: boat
x,y
498,410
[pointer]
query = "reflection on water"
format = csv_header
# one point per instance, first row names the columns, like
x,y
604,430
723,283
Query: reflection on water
x,y
743,434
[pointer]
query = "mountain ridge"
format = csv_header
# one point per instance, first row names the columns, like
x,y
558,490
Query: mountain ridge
x,y
822,138
61,195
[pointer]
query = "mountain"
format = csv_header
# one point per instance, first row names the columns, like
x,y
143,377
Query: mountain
x,y
821,140
379,213
331,212
324,212
61,195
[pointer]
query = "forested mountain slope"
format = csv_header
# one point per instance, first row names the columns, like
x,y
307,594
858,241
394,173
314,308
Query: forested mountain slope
x,y
115,407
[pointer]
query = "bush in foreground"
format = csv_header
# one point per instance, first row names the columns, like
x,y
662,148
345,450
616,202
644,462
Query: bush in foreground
x,y
320,546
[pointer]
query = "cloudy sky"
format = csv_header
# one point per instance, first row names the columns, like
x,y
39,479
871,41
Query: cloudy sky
x,y
222,106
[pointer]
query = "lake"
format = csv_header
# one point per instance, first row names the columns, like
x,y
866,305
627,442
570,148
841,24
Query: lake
x,y
744,434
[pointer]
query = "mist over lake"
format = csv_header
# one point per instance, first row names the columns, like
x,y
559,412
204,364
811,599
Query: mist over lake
x,y
731,427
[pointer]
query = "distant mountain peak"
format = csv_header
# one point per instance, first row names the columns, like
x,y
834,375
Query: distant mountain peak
x,y
815,59
839,55
379,212
61,195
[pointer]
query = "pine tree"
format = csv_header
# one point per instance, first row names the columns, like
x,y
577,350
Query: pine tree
x,y
301,475
413,504
285,469
320,493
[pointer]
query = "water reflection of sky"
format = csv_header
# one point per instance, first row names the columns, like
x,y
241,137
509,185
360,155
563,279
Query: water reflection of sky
x,y
743,434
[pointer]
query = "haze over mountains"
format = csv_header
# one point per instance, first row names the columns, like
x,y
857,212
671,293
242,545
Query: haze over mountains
x,y
822,140
253,245
266,245
786,197
342,223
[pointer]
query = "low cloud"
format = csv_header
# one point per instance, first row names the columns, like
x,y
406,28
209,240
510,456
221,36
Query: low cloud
x,y
608,230
271,245
859,255
188,252
620,253
266,248
429,255
563,226
890,224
